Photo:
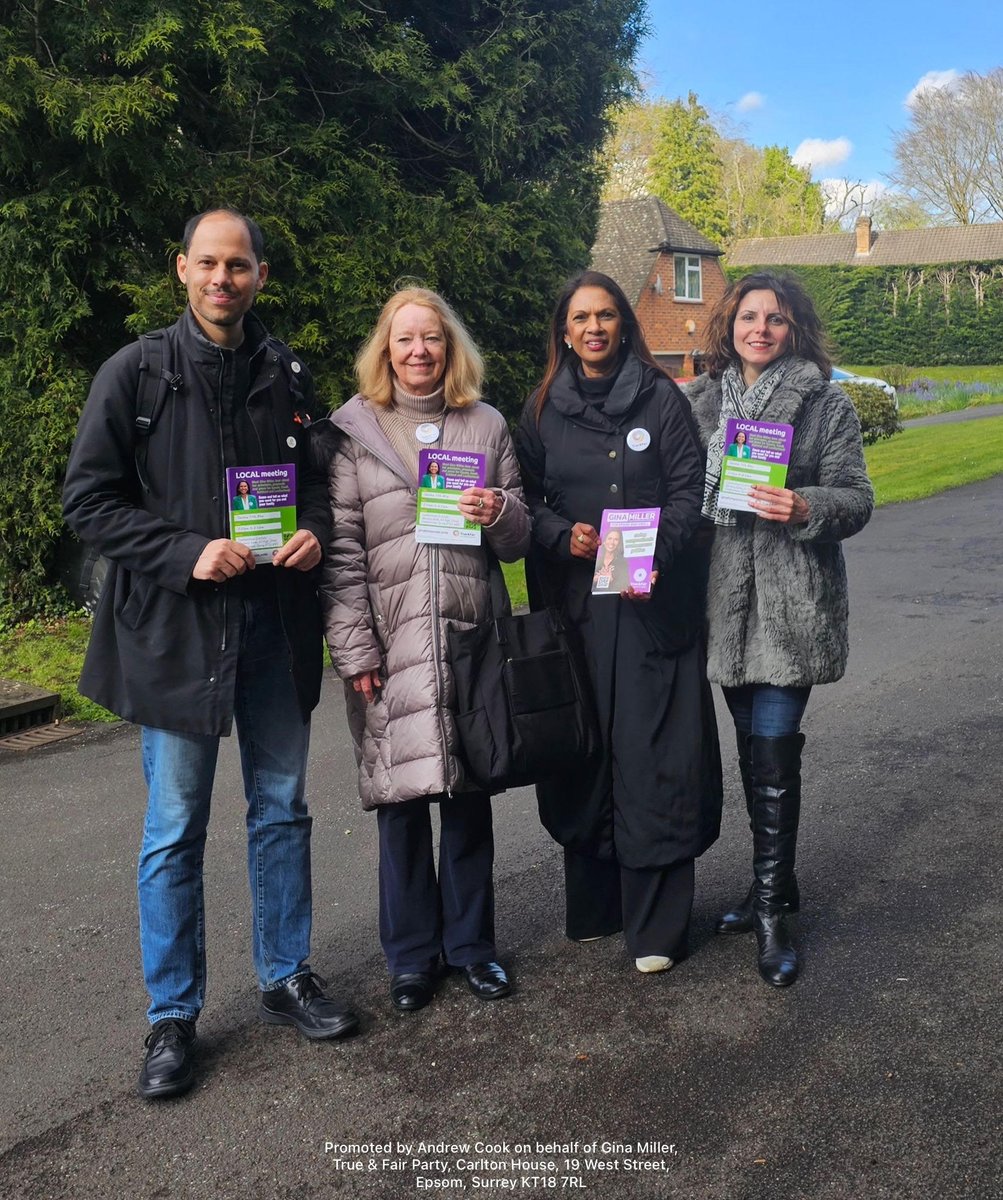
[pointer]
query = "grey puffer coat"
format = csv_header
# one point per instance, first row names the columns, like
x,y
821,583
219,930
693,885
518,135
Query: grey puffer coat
x,y
388,601
777,602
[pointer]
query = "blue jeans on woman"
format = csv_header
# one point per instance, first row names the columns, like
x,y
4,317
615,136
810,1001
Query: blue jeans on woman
x,y
766,710
179,769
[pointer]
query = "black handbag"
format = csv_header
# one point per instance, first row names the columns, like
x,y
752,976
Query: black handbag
x,y
523,696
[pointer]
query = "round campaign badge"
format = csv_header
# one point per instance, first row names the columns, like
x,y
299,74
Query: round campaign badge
x,y
295,367
638,439
429,432
290,441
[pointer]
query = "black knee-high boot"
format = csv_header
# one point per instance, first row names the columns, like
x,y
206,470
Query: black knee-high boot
x,y
776,809
739,918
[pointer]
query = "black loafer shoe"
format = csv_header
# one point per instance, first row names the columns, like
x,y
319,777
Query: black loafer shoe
x,y
412,990
168,1069
487,980
301,1002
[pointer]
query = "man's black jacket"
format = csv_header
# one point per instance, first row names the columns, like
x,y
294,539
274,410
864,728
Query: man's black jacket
x,y
163,651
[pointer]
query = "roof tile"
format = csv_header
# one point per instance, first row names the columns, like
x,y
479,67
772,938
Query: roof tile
x,y
632,231
889,247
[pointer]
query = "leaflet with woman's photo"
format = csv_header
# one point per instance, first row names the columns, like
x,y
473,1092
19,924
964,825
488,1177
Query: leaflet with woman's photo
x,y
754,452
627,539
262,503
442,476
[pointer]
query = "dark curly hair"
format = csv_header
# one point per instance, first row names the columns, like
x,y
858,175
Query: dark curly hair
x,y
807,338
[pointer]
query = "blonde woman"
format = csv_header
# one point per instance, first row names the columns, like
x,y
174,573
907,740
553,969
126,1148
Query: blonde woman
x,y
388,602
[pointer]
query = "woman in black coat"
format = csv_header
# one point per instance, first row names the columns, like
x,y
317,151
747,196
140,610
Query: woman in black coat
x,y
606,428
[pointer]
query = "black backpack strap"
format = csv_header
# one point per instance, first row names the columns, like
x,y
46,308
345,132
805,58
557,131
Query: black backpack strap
x,y
296,376
156,378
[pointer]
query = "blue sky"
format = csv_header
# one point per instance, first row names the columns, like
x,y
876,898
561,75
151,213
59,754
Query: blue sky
x,y
832,76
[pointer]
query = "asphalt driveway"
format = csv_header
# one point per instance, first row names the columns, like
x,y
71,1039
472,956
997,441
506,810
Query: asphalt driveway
x,y
875,1076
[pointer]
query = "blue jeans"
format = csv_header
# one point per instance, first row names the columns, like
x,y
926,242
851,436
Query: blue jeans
x,y
765,710
179,770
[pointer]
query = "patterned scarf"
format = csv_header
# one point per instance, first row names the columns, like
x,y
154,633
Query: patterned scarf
x,y
746,405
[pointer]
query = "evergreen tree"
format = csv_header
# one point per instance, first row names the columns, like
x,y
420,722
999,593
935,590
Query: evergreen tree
x,y
791,202
723,185
685,169
453,141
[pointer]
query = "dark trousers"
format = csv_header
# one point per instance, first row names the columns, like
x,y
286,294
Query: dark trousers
x,y
422,917
651,906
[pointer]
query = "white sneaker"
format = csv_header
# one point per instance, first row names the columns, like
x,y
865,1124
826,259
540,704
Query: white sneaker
x,y
652,963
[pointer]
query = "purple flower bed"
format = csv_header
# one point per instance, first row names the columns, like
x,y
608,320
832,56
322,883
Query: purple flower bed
x,y
927,391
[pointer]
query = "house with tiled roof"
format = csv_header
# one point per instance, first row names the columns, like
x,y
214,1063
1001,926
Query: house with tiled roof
x,y
670,272
915,296
869,247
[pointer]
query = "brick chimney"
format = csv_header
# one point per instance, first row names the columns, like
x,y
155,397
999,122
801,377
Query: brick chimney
x,y
863,230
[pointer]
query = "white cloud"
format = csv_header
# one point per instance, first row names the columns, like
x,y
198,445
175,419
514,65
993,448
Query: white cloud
x,y
932,81
751,101
816,152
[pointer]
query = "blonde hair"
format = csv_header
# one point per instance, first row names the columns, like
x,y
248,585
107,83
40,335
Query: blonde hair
x,y
464,376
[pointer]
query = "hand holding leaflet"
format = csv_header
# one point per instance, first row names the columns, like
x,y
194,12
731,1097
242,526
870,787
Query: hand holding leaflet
x,y
757,453
262,502
626,552
444,478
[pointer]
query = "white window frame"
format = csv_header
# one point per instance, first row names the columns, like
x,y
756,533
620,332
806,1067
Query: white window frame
x,y
690,267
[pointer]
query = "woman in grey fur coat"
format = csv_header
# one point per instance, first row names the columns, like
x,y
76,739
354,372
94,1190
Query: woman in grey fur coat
x,y
777,597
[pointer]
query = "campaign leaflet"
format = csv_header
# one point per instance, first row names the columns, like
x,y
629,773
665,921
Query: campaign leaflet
x,y
442,475
754,452
262,502
626,550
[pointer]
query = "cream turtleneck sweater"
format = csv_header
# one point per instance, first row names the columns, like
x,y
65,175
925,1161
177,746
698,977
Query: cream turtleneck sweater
x,y
401,417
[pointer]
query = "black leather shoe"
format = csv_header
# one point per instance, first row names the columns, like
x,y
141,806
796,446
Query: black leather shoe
x,y
412,990
487,980
301,1002
168,1069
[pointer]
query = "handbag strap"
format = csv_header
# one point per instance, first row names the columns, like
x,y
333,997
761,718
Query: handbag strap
x,y
501,605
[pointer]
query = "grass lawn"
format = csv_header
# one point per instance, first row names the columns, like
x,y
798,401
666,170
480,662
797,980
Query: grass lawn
x,y
910,466
949,401
923,461
515,581
49,655
993,374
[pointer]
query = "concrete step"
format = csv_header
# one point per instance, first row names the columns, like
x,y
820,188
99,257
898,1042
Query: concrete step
x,y
23,706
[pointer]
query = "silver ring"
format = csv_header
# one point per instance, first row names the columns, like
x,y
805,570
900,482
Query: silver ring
x,y
581,537
480,501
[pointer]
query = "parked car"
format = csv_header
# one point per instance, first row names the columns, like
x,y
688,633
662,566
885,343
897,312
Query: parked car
x,y
841,376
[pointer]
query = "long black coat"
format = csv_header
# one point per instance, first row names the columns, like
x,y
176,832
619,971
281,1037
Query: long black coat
x,y
654,798
163,651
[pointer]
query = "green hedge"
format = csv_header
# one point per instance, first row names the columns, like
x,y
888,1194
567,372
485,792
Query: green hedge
x,y
918,316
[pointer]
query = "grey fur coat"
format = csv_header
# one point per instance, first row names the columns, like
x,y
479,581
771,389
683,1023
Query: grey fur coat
x,y
777,603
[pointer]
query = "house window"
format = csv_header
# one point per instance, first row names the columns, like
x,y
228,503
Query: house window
x,y
671,364
688,277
